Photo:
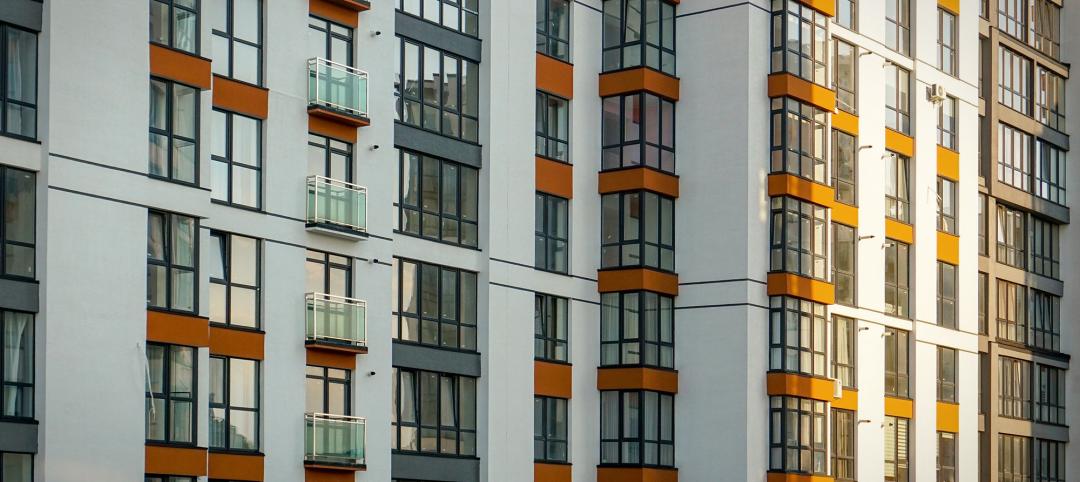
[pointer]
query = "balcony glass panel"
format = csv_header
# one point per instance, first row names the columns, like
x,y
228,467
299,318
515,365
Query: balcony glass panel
x,y
336,202
334,439
338,87
336,319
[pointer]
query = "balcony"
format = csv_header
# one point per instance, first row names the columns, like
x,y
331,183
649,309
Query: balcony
x,y
336,207
336,323
334,442
337,92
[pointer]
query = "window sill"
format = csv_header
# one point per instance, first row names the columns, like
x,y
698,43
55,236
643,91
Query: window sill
x,y
560,273
433,240
634,67
194,185
192,314
552,159
552,57
435,347
552,462
249,453
434,454
32,140
641,166
246,329
253,209
19,420
179,445
554,362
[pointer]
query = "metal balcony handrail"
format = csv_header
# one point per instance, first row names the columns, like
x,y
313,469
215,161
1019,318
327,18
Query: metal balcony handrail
x,y
362,93
316,296
315,182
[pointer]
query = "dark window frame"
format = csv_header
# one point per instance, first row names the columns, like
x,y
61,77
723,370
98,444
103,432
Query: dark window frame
x,y
332,150
1049,177
464,118
1011,237
1047,28
466,225
231,165
1049,461
845,280
1015,388
1045,239
947,376
811,66
626,128
1012,312
897,363
901,465
550,243
226,245
1014,449
807,456
1013,18
948,122
847,99
551,328
168,398
847,373
947,45
172,6
167,262
1050,395
463,323
623,439
226,404
330,265
947,206
5,100
228,35
946,457
617,250
807,354
170,136
799,253
7,174
547,41
1050,99
900,283
898,28
547,436
1014,157
845,179
327,28
24,391
898,205
464,14
948,314
1045,320
549,141
898,115
458,427
843,456
853,7
790,150
326,380
614,347
620,48
1014,68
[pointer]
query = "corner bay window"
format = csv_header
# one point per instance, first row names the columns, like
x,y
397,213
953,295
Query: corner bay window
x,y
1011,237
552,28
434,305
552,233
798,139
797,435
234,403
437,91
16,364
1049,182
18,97
1045,248
175,23
637,428
550,423
174,131
1050,103
1045,320
639,33
797,336
460,15
1014,458
551,328
433,413
1049,461
638,130
439,199
798,241
799,41
896,449
637,229
896,363
18,191
171,261
170,393
637,328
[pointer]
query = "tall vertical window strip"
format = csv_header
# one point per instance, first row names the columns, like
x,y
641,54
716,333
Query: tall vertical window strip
x,y
175,23
236,155
1049,461
235,269
550,422
898,99
638,130
439,199
552,28
896,449
946,457
798,241
18,95
637,329
639,33
1050,101
799,41
1045,320
946,206
1014,157
1012,311
460,15
847,14
1048,28
845,161
897,278
433,413
551,320
1012,18
1014,81
947,42
898,26
170,393
237,39
845,73
552,127
896,363
984,296
843,445
983,228
637,428
637,229
798,139
174,131
1049,182
798,336
1050,395
1045,248
1011,237
1014,458
18,190
946,378
1014,390
797,435
844,272
17,467
946,296
171,261
552,233
844,356
234,403
947,123
16,364
434,305
437,91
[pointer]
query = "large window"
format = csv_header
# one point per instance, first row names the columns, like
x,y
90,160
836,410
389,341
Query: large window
x,y
16,364
175,23
1049,461
1045,248
1014,81
329,158
897,279
845,159
439,199
1049,180
897,187
896,363
947,286
844,240
1014,458
844,356
234,403
1050,395
433,413
18,190
237,40
1014,157
637,428
16,467
1050,102
845,74
437,305
327,390
947,42
170,393
553,28
799,41
637,229
1045,320
847,14
898,26
171,261
330,41
798,336
947,123
798,139
639,33
843,445
552,127
1014,390
897,99
1011,311
235,279
637,328
551,321
174,131
946,206
1012,18
638,130
797,435
1011,247
896,448
329,274
946,457
550,422
552,233
460,15
236,155
437,91
18,95
946,374
1048,30
798,239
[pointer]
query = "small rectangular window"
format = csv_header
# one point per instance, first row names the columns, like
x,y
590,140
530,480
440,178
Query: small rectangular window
x,y
1011,237
897,449
798,241
847,17
18,100
171,261
946,206
1014,390
552,28
845,159
897,279
897,187
638,130
1049,182
550,423
1013,18
1014,157
1045,320
946,379
330,41
844,263
1045,248
439,199
1049,461
175,23
797,435
234,403
896,363
552,322
898,98
435,305
798,139
174,131
637,229
797,336
947,42
552,233
328,390
170,393
235,280
984,296
433,413
329,274
637,328
236,159
946,457
237,39
552,127
946,295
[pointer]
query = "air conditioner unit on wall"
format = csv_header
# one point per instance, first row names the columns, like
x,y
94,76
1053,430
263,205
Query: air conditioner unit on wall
x,y
937,93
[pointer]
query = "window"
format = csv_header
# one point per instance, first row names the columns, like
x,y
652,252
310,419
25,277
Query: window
x,y
1012,18
797,435
1012,311
170,393
235,270
174,131
1045,320
439,200
329,274
843,445
460,15
896,363
797,336
1049,461
1014,458
1050,395
799,41
1048,31
15,467
237,39
983,250
847,15
1014,81
1014,157
946,295
1010,237
171,261
946,206
638,428
897,279
896,449
552,233
845,159
637,229
947,42
330,41
236,155
1050,101
798,238
845,73
946,377
437,91
433,413
551,318
1049,182
1015,388
844,239
984,295
437,305
897,99
798,139
638,130
1045,248
553,28
946,457
947,123
843,361
552,127
897,186
328,390
639,33
637,328
550,424
18,97
329,158
175,23
234,403
898,28
18,190
16,364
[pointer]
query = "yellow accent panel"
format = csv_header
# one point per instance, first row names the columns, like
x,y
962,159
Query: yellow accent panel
x,y
846,122
948,417
805,189
781,284
948,163
899,407
948,248
899,231
784,84
950,5
899,143
827,7
799,386
786,477
849,400
845,214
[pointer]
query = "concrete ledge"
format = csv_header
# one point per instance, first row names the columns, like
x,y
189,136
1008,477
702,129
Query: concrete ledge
x,y
437,360
425,467
19,437
427,142
437,36
19,295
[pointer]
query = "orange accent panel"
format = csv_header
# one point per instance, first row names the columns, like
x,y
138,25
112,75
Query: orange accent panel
x,y
786,477
554,76
636,474
552,379
899,407
789,284
784,84
784,184
899,231
637,80
899,143
950,5
332,359
799,386
236,343
845,214
555,178
848,401
177,329
828,7
637,279
180,66
948,417
948,163
316,475
239,97
655,379
551,472
334,116
236,467
948,248
325,127
334,10
639,178
186,461
846,122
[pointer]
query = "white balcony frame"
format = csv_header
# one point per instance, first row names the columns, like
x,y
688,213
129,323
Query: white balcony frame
x,y
313,65
316,416
313,297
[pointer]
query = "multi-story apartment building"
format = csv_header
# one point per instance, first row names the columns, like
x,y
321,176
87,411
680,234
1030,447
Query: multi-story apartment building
x,y
761,247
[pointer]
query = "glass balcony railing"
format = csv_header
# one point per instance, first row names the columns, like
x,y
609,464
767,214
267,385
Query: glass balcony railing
x,y
334,439
337,87
337,203
336,320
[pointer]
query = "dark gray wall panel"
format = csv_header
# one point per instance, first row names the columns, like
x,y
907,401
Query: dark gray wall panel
x,y
435,359
24,13
420,467
425,142
18,295
18,437
437,36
